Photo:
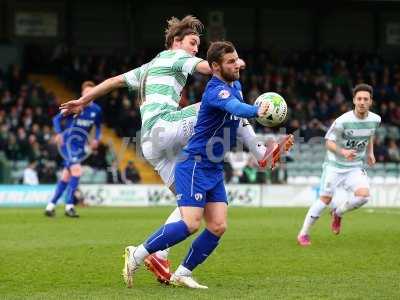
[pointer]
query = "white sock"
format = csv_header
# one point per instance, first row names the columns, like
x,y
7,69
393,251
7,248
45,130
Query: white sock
x,y
248,137
140,254
50,206
182,271
333,205
175,216
69,206
312,216
351,204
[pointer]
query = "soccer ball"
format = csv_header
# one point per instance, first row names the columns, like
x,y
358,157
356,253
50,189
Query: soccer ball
x,y
277,110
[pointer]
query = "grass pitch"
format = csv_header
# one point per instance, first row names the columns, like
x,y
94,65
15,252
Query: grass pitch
x,y
258,257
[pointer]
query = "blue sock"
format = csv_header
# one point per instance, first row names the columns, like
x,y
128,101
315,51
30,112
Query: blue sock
x,y
201,248
167,236
73,185
60,188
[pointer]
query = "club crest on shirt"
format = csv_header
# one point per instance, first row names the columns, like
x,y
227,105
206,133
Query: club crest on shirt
x,y
223,94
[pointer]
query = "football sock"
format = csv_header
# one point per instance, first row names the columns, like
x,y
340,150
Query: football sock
x,y
72,186
175,216
353,203
166,236
312,216
140,254
60,188
248,136
201,248
182,271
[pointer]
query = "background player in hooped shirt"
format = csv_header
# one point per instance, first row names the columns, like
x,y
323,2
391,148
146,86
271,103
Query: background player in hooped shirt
x,y
165,127
349,141
72,136
199,177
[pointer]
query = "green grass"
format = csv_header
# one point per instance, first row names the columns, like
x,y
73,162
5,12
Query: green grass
x,y
258,257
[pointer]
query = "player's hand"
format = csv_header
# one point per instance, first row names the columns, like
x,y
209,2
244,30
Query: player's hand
x,y
59,139
263,108
349,154
94,144
73,107
371,159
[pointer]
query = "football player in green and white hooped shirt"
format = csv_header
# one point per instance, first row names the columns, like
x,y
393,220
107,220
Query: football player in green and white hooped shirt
x,y
165,128
349,141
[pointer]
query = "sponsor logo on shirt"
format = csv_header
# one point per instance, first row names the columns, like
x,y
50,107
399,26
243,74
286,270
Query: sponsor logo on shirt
x,y
223,94
84,123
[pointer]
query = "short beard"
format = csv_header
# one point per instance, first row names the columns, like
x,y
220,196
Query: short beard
x,y
228,77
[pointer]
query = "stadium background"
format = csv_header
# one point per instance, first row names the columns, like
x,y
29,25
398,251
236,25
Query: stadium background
x,y
310,53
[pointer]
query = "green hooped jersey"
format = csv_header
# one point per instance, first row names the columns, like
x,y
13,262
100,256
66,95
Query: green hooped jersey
x,y
164,78
350,132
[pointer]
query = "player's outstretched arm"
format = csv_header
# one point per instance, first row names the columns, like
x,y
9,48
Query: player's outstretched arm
x,y
203,68
108,85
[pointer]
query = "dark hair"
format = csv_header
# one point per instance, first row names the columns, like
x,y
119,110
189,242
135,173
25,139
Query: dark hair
x,y
86,84
217,50
363,87
181,28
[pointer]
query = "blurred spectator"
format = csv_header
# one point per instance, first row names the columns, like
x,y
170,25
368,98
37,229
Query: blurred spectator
x,y
30,176
131,173
380,151
97,158
238,160
114,174
393,151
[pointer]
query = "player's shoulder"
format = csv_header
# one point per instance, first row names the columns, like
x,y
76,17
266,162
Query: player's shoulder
x,y
177,53
347,116
217,89
374,117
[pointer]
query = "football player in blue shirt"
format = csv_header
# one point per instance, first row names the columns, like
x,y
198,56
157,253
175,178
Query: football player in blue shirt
x,y
72,135
199,176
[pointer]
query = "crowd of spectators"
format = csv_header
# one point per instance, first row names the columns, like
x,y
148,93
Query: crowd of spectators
x,y
26,133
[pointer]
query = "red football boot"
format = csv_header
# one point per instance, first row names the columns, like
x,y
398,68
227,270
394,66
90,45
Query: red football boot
x,y
273,154
159,267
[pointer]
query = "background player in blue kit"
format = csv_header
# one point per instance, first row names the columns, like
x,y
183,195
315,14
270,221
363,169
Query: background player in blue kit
x,y
199,176
72,135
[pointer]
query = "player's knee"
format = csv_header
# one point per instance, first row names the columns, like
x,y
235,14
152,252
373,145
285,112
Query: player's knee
x,y
364,193
76,170
326,199
218,228
65,176
193,225
363,196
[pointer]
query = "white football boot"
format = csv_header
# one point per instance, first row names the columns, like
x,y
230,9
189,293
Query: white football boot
x,y
130,266
188,281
